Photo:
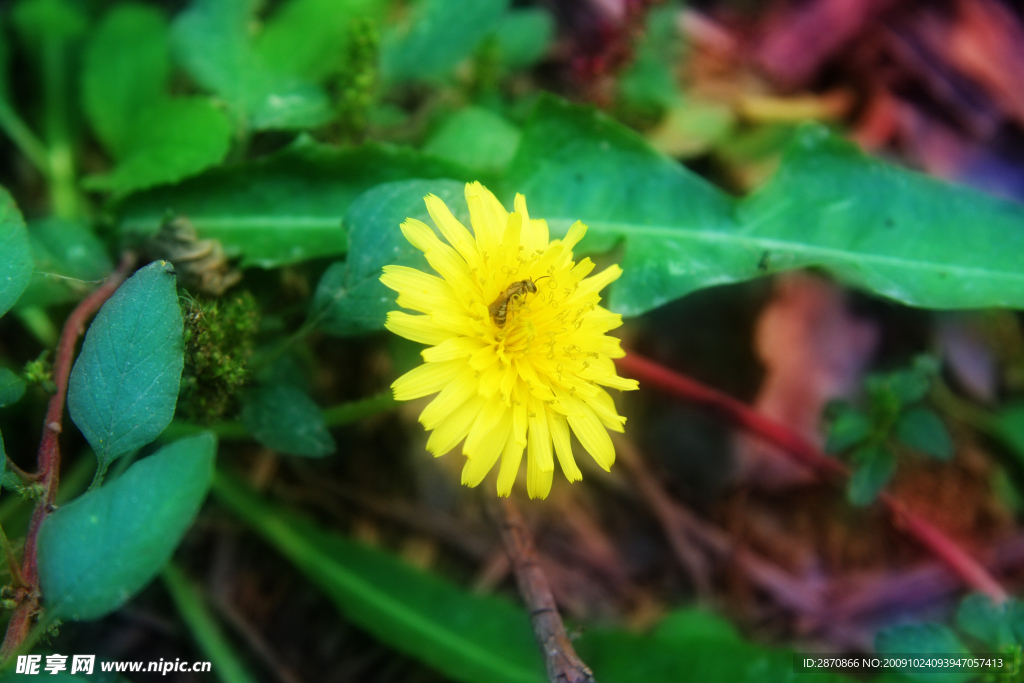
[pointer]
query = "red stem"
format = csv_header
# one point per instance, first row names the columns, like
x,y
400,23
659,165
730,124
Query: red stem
x,y
48,459
970,571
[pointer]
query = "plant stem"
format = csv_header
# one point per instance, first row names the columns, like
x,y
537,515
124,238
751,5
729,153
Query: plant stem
x,y
48,459
970,571
204,628
23,137
560,659
60,158
335,416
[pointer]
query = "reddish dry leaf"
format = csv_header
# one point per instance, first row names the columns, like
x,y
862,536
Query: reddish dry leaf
x,y
814,350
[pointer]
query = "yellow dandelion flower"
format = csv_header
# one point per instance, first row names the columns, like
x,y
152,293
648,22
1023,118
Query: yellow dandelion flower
x,y
518,349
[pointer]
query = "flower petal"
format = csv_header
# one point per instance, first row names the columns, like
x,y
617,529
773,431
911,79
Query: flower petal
x,y
538,482
451,398
559,429
592,435
426,379
477,466
511,457
453,430
418,328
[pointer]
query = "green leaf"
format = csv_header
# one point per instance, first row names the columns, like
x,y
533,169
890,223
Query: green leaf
x,y
15,253
923,430
170,140
350,298
923,639
1009,423
124,385
992,624
695,624
874,466
849,427
213,41
283,209
524,36
309,38
477,139
40,20
127,63
70,261
466,637
687,657
284,418
12,387
97,551
900,234
908,386
575,163
436,36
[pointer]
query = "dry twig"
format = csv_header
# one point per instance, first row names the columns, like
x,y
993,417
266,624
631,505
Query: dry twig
x,y
560,658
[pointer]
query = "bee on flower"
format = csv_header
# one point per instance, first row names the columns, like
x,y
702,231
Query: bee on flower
x,y
517,343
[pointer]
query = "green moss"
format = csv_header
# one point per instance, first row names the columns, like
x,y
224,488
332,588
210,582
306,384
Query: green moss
x,y
219,340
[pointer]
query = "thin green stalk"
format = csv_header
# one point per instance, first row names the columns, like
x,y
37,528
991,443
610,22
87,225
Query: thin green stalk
x,y
23,137
60,150
38,323
335,416
226,664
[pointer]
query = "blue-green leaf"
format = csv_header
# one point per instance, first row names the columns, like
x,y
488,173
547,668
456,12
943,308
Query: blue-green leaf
x,y
992,624
12,387
873,467
99,550
924,639
350,298
285,418
849,427
524,36
70,262
15,253
437,35
124,385
922,429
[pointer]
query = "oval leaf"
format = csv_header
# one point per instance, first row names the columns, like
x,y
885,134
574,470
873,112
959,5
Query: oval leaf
x,y
124,385
874,466
12,387
923,430
284,418
99,550
15,253
350,298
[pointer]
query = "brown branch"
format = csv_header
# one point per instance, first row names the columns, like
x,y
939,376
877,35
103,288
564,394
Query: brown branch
x,y
970,571
48,459
560,658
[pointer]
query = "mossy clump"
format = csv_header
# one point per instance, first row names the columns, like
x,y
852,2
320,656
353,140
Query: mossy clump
x,y
219,341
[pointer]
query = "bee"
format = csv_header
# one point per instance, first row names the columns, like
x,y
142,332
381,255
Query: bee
x,y
513,293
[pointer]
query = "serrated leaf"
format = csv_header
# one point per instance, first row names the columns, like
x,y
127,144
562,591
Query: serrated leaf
x,y
923,639
126,66
124,385
923,430
895,232
992,624
99,550
436,36
282,209
285,418
15,253
70,262
169,141
213,40
848,428
477,139
350,298
466,637
873,467
12,387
